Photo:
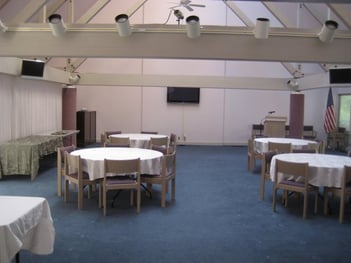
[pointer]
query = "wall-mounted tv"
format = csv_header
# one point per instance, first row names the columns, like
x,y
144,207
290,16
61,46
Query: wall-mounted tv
x,y
183,95
32,69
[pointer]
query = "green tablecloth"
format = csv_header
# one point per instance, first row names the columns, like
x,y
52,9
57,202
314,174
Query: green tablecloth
x,y
21,156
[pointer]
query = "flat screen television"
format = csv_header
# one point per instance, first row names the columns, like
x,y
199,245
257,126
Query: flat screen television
x,y
32,69
183,95
340,76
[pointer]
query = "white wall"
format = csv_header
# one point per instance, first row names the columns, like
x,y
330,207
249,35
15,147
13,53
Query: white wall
x,y
224,116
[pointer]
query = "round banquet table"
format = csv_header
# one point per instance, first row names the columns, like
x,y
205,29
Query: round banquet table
x,y
261,144
93,159
138,140
324,169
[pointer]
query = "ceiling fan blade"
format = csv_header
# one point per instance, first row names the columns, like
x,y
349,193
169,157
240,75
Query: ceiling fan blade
x,y
197,5
188,7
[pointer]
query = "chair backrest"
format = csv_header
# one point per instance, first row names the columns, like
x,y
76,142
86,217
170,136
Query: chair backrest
x,y
291,169
159,141
304,151
105,136
61,153
279,147
172,142
121,141
108,144
159,148
108,133
266,161
149,132
250,145
73,165
169,164
122,167
347,177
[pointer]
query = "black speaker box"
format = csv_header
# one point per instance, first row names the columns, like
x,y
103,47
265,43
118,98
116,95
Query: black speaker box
x,y
340,76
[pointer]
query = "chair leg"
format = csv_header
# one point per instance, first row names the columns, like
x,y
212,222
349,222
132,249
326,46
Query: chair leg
x,y
66,194
325,197
316,201
59,182
80,196
262,188
138,199
104,201
173,183
274,199
131,197
341,209
305,199
163,194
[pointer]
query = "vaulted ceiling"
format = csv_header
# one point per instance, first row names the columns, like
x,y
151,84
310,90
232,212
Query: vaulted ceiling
x,y
226,32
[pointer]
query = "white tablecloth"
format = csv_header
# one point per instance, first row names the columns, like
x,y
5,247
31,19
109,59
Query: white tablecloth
x,y
261,144
324,169
25,223
138,140
93,159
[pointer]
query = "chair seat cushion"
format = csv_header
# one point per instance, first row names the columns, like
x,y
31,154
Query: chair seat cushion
x,y
293,183
75,175
120,180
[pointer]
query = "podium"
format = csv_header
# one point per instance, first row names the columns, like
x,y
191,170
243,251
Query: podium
x,y
274,126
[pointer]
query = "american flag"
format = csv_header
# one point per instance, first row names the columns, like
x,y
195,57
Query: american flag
x,y
329,119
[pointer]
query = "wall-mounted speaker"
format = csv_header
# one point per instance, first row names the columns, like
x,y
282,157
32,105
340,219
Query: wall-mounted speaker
x,y
32,69
340,76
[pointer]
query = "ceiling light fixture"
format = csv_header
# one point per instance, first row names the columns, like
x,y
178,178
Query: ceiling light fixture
x,y
57,26
123,26
328,30
3,27
179,15
74,78
193,26
293,84
261,30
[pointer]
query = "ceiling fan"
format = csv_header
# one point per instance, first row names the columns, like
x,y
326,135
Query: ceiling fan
x,y
187,4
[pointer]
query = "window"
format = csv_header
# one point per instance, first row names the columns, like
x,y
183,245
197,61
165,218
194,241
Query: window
x,y
345,112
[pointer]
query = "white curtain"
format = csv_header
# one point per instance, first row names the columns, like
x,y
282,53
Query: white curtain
x,y
29,107
5,107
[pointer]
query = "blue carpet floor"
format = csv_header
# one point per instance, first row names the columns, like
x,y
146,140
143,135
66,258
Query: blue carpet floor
x,y
217,217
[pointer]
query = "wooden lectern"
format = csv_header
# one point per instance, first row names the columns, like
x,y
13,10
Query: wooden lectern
x,y
274,126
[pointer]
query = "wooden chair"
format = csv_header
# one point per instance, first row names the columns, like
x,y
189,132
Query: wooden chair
x,y
118,142
126,176
159,141
273,149
74,174
342,193
106,135
172,143
280,147
252,155
168,173
265,171
295,180
60,165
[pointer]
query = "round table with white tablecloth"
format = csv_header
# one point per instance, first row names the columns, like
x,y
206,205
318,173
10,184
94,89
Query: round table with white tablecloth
x,y
93,159
261,144
324,169
138,140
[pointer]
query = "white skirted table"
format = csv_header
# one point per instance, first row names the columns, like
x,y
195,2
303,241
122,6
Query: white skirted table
x,y
138,140
93,159
25,223
324,169
261,144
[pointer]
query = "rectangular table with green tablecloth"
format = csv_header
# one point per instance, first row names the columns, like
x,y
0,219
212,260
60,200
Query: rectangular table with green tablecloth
x,y
21,156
